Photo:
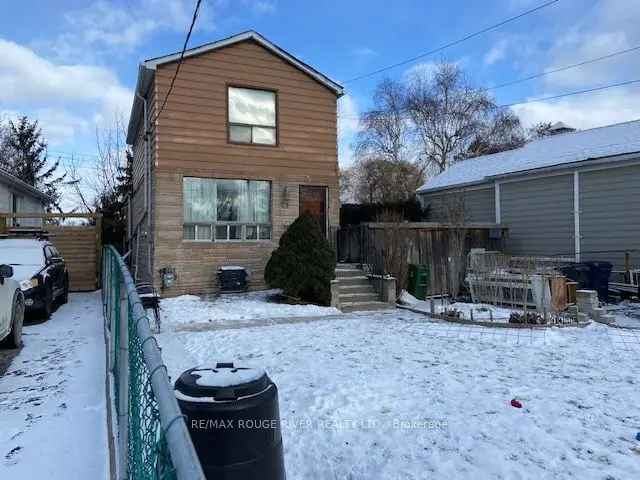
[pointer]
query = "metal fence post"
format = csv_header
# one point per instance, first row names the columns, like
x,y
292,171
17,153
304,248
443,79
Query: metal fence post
x,y
122,316
153,439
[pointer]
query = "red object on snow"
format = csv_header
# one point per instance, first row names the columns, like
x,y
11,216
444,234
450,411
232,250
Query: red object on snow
x,y
515,403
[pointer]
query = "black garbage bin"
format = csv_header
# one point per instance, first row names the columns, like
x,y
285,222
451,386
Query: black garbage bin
x,y
599,275
232,279
578,272
233,417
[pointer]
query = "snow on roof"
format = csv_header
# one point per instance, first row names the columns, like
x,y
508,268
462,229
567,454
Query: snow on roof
x,y
617,139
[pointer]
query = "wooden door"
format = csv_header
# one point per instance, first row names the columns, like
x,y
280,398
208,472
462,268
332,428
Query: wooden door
x,y
313,200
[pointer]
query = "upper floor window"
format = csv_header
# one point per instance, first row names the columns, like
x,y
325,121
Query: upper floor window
x,y
252,116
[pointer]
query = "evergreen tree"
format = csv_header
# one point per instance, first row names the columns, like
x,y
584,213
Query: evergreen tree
x,y
304,263
26,152
112,204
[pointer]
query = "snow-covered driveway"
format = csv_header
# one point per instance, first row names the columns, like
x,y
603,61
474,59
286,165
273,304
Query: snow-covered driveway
x,y
52,398
392,396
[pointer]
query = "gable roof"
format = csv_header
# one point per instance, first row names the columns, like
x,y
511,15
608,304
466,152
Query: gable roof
x,y
147,68
12,180
556,150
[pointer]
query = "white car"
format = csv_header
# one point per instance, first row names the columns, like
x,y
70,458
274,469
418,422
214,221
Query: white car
x,y
11,309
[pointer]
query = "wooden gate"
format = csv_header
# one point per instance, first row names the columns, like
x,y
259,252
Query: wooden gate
x,y
79,244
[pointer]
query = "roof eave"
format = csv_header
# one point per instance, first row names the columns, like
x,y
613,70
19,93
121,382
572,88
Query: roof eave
x,y
633,156
422,190
23,186
145,75
255,36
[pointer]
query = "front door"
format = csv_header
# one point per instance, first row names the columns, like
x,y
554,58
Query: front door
x,y
313,200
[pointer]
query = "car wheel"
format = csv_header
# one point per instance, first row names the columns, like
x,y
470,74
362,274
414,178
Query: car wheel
x,y
47,308
17,318
64,298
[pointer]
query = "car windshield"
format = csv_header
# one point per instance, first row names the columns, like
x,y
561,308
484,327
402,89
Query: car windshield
x,y
21,253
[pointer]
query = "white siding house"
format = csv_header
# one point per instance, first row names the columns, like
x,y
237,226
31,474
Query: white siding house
x,y
17,196
572,194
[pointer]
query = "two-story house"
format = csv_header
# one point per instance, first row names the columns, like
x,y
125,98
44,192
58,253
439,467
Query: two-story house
x,y
245,142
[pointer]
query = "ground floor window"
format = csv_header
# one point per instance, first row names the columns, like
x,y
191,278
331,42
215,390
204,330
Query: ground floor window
x,y
226,210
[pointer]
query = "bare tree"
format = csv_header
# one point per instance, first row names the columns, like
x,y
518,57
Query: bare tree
x,y
385,132
377,180
455,213
347,185
97,178
102,184
500,133
447,113
539,130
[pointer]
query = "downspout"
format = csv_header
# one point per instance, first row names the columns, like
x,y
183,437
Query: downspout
x,y
576,215
146,151
146,182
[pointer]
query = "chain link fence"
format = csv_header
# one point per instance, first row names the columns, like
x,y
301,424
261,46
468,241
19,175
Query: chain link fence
x,y
152,442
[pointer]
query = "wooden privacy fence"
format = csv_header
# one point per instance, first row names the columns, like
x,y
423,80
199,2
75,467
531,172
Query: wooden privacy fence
x,y
389,248
79,244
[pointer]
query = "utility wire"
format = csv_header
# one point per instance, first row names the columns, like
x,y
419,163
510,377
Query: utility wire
x,y
578,92
562,69
184,48
455,42
544,99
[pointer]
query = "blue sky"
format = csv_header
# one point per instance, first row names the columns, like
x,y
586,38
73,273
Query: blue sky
x,y
72,64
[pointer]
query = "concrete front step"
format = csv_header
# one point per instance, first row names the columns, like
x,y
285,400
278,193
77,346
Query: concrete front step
x,y
349,289
348,266
364,306
355,280
345,273
371,296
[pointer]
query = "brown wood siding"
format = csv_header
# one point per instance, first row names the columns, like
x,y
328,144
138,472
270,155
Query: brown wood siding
x,y
80,248
191,141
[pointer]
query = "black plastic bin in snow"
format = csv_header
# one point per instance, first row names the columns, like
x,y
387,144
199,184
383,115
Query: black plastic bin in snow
x,y
232,279
591,275
233,417
578,272
600,273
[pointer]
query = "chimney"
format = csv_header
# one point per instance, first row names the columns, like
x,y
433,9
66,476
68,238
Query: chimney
x,y
559,128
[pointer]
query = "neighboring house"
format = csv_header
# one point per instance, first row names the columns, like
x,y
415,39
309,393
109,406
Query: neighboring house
x,y
17,196
570,194
246,141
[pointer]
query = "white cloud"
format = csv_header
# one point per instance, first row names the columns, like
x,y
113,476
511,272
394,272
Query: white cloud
x,y
262,7
54,93
60,126
606,27
364,52
497,53
103,27
587,111
26,76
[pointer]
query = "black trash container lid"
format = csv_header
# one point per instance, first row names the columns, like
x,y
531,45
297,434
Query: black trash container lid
x,y
224,382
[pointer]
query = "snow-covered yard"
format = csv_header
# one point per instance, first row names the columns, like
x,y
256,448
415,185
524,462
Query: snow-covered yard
x,y
466,311
626,314
392,395
52,398
233,310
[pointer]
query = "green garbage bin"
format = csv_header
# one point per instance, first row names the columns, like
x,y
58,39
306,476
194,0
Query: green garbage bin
x,y
418,281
